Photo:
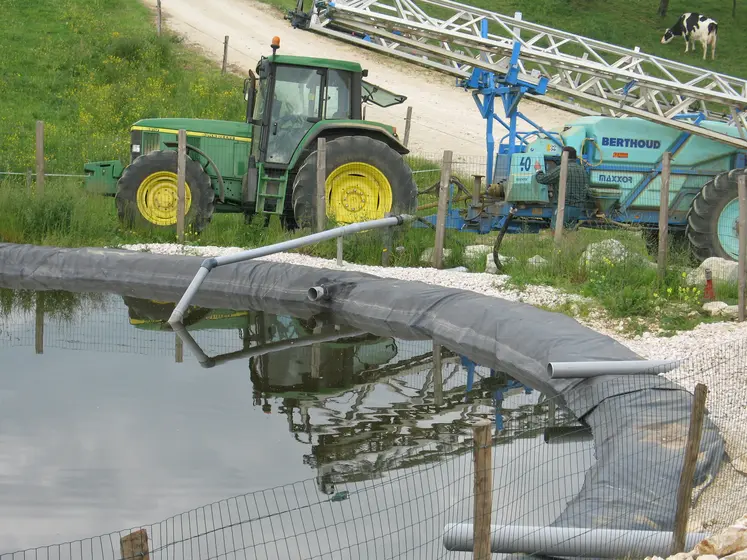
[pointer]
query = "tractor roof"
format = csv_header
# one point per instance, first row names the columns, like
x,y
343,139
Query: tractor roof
x,y
316,62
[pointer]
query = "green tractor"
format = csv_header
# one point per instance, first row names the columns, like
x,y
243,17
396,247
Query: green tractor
x,y
249,166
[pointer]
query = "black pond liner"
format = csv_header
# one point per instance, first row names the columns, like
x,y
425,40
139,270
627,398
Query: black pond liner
x,y
633,484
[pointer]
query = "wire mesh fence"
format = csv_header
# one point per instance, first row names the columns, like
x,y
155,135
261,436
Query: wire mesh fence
x,y
604,455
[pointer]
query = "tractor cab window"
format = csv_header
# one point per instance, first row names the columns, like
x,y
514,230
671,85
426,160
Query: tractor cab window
x,y
380,96
295,109
337,104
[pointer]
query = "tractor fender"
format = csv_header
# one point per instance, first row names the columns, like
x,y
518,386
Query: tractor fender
x,y
344,128
175,145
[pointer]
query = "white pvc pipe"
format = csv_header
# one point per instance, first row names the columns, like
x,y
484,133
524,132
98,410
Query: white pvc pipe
x,y
573,370
568,541
177,316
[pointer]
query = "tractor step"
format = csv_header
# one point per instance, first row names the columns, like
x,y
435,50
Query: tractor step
x,y
271,189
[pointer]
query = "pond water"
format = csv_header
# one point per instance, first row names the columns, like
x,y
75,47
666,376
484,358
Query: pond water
x,y
108,421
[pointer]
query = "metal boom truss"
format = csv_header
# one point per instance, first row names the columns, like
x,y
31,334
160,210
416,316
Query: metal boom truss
x,y
587,76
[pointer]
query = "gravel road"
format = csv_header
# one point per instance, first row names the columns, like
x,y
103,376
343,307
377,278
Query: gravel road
x,y
444,117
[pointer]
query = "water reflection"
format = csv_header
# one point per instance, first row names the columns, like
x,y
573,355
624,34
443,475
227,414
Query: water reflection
x,y
315,367
354,406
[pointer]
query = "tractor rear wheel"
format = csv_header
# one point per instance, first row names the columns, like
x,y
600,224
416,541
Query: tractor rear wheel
x,y
713,217
365,179
147,196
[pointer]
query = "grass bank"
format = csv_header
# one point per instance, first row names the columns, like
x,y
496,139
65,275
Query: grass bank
x,y
89,69
623,283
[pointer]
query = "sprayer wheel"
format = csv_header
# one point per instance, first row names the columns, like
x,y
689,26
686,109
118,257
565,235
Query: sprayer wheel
x,y
147,193
712,218
365,179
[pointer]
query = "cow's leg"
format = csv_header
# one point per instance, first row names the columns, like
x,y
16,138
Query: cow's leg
x,y
687,42
705,48
713,48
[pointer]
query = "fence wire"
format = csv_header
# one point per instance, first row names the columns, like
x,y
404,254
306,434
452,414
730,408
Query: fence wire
x,y
396,488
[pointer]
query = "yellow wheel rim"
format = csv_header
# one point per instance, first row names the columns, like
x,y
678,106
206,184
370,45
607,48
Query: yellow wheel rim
x,y
357,192
157,198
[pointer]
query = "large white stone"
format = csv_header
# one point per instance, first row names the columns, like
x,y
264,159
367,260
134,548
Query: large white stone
x,y
612,249
714,307
681,556
490,267
721,309
722,270
731,540
427,256
537,261
740,555
477,251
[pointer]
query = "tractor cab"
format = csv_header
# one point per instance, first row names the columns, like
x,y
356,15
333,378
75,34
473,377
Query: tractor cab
x,y
295,93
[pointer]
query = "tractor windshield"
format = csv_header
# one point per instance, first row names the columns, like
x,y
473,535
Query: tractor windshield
x,y
295,108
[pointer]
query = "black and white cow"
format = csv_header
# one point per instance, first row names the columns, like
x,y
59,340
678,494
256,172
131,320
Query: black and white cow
x,y
694,27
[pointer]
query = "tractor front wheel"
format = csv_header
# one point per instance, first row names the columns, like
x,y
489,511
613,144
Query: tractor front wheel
x,y
365,180
713,218
147,193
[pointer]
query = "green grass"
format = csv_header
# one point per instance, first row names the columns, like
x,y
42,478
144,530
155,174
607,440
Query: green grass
x,y
626,288
67,217
89,69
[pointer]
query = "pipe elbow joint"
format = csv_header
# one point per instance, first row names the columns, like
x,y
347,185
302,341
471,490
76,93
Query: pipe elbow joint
x,y
209,263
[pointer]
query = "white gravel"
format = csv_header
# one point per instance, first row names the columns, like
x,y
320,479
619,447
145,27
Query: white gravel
x,y
710,346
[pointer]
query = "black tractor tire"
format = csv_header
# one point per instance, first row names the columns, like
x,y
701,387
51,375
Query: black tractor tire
x,y
202,194
352,149
702,218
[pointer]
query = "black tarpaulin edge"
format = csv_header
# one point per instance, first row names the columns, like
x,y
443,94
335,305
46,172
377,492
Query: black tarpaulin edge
x,y
513,337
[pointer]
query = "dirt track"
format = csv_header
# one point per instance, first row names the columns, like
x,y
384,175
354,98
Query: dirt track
x,y
444,116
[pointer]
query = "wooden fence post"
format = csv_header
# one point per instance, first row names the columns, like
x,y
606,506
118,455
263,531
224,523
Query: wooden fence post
x,y
443,203
181,168
438,379
178,349
742,274
39,326
40,158
135,546
321,181
692,449
483,490
225,55
476,189
562,188
339,250
387,237
158,16
666,170
408,123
